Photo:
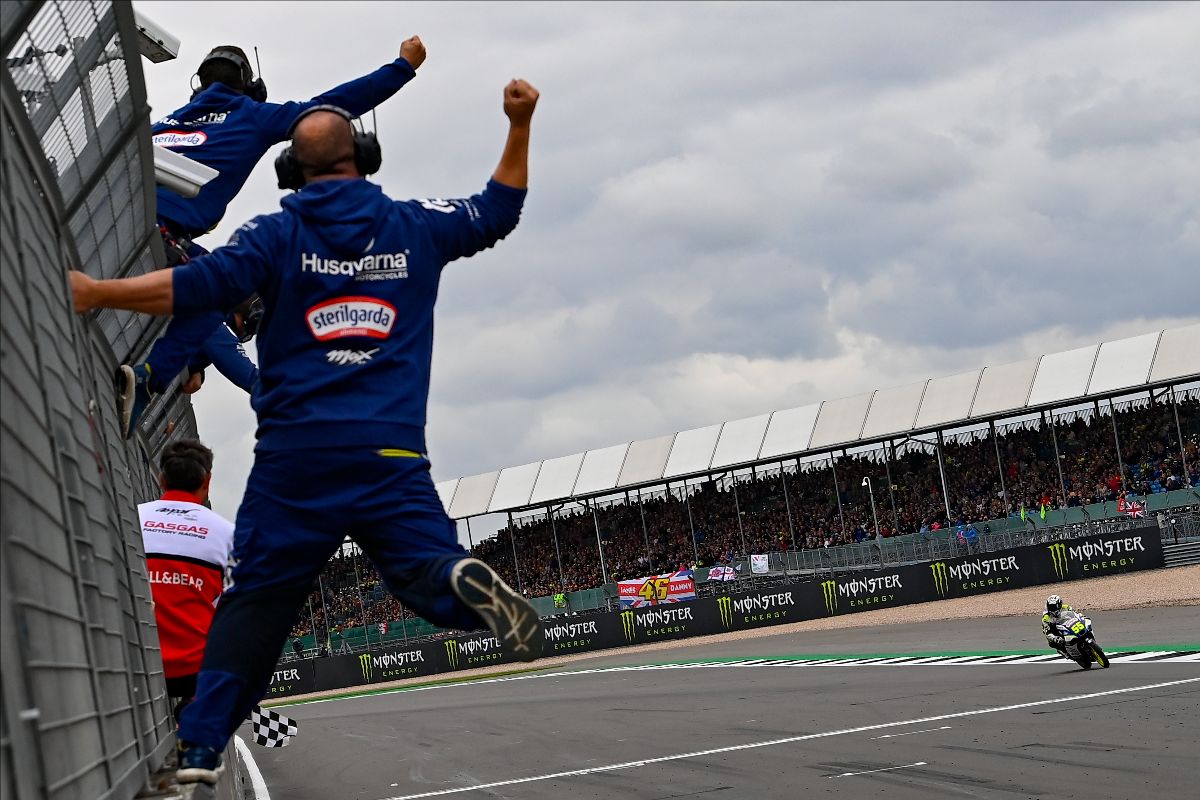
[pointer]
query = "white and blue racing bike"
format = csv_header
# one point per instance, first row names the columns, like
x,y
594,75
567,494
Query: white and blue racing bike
x,y
1079,644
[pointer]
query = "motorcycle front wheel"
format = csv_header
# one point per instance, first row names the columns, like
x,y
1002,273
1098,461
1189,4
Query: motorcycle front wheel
x,y
1099,655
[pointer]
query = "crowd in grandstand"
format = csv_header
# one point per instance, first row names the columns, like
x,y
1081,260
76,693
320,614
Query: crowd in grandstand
x,y
987,478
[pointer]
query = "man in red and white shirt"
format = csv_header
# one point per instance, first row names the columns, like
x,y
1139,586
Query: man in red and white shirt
x,y
187,548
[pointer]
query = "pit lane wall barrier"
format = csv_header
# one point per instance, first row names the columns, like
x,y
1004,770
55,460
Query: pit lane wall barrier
x,y
85,713
845,593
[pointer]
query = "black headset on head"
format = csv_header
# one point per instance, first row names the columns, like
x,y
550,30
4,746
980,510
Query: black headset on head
x,y
368,155
253,87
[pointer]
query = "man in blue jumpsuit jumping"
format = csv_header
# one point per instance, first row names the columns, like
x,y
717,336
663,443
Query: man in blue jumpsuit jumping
x,y
229,126
348,278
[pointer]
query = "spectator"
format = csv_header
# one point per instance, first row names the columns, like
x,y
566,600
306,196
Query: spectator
x,y
187,549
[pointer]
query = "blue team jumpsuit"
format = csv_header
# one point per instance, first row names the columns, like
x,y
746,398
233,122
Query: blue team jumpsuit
x,y
349,280
223,129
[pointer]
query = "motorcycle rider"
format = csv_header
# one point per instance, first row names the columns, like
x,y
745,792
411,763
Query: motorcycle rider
x,y
1055,609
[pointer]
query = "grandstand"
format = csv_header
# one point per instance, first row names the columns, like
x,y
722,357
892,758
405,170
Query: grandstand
x,y
1058,439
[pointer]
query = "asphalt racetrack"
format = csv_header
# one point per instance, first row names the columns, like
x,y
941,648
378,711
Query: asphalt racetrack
x,y
753,722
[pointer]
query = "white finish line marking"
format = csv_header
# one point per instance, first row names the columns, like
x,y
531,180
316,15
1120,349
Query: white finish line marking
x,y
789,740
910,733
884,769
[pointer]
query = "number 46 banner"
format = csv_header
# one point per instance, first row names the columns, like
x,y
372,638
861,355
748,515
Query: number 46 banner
x,y
670,587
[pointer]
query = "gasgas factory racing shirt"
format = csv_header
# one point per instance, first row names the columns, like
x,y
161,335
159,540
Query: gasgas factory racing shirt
x,y
187,548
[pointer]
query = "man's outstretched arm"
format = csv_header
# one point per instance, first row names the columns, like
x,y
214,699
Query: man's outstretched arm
x,y
219,281
152,293
357,96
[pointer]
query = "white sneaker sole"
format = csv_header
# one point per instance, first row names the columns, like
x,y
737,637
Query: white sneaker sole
x,y
127,391
197,775
512,619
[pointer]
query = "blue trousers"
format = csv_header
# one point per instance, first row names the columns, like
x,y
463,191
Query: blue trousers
x,y
204,334
298,508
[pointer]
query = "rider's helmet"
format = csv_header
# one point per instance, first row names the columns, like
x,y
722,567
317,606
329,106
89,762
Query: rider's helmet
x,y
1054,604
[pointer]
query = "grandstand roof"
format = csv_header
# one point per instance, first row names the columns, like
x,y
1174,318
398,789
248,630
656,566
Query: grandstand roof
x,y
1048,381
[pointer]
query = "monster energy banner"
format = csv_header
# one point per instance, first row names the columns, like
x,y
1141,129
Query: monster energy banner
x,y
846,593
1101,555
292,677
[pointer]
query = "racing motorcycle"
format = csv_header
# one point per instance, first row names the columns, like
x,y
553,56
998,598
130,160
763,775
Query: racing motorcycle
x,y
1079,644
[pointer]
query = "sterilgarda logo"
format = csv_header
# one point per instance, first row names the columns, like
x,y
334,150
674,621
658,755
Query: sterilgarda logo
x,y
940,580
1058,556
351,316
179,138
725,607
830,593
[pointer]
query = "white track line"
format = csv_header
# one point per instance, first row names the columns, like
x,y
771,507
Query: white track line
x,y
789,740
256,778
910,733
882,769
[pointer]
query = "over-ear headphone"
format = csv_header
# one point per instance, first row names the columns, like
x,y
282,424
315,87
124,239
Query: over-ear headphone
x,y
255,89
368,155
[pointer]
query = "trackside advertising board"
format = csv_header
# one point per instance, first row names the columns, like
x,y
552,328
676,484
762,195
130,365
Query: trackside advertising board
x,y
847,593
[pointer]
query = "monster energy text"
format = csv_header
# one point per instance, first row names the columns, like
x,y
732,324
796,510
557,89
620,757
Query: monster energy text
x,y
655,622
394,664
869,591
570,635
974,575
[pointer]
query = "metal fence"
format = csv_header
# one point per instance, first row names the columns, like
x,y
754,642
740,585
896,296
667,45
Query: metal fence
x,y
85,713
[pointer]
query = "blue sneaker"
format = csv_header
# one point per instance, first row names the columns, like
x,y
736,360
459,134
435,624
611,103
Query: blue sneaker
x,y
198,764
133,390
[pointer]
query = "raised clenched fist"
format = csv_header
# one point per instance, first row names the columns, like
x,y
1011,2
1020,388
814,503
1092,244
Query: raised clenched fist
x,y
519,101
412,50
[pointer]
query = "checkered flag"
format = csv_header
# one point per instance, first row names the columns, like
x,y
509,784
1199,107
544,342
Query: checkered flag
x,y
272,729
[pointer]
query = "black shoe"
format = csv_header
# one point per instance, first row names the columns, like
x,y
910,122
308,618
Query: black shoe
x,y
198,764
511,617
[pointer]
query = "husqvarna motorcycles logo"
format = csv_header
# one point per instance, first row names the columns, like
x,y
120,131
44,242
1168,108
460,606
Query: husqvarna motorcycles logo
x,y
725,607
364,663
1058,556
829,592
941,580
627,625
452,653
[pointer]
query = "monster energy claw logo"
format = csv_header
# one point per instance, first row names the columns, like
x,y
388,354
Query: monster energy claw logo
x,y
452,653
829,589
1058,554
940,580
725,606
364,663
627,625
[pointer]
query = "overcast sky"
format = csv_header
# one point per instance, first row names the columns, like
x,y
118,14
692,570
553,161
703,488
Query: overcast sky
x,y
735,208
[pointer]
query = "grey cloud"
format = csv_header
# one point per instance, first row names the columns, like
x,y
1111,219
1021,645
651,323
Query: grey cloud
x,y
745,206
